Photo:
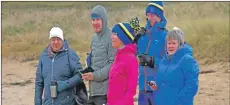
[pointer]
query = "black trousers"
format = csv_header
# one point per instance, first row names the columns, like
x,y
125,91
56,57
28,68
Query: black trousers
x,y
97,100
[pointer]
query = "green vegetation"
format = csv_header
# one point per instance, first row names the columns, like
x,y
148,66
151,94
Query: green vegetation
x,y
26,25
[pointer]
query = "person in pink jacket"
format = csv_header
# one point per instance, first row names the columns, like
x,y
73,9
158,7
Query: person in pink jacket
x,y
123,75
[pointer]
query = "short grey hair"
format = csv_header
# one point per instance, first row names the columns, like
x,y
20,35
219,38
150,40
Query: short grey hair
x,y
176,34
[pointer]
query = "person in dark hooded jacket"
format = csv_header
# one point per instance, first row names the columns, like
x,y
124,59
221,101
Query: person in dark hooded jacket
x,y
177,76
58,64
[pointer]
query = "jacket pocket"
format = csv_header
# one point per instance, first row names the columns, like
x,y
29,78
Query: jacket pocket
x,y
66,99
96,85
166,94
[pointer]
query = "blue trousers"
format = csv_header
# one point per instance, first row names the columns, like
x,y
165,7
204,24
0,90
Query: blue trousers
x,y
145,98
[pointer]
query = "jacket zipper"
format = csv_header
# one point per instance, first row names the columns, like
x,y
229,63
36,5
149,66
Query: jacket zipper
x,y
146,52
169,61
52,74
91,66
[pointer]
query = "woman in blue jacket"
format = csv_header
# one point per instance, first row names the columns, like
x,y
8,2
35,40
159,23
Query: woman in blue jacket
x,y
58,64
177,76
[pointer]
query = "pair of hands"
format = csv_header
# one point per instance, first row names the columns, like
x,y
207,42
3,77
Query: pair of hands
x,y
62,85
87,74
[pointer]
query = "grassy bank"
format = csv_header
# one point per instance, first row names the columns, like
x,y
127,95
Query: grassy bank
x,y
26,25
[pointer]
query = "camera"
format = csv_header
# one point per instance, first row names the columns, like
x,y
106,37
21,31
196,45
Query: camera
x,y
145,60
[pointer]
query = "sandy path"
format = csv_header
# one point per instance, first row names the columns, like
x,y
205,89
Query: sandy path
x,y
18,84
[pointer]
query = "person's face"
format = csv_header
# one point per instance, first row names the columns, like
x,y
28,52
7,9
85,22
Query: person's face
x,y
116,42
97,24
172,46
153,18
56,44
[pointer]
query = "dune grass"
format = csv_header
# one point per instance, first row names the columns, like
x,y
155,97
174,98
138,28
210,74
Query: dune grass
x,y
26,25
